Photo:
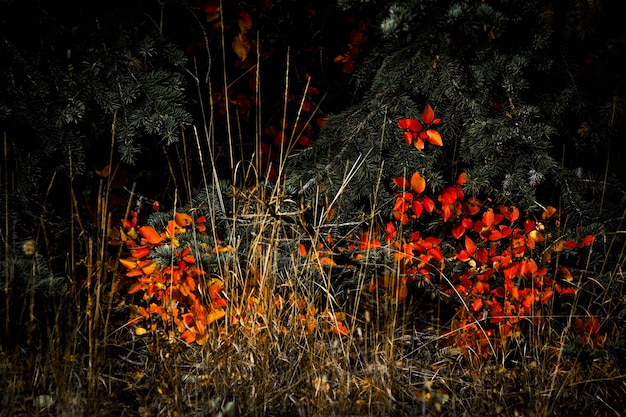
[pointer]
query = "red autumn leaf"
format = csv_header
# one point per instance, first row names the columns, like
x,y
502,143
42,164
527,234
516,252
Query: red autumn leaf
x,y
436,254
428,115
546,295
565,291
528,302
477,304
417,208
410,124
418,183
434,137
529,225
467,223
482,256
401,216
470,246
448,196
570,244
150,234
302,249
401,182
511,271
321,122
446,212
488,218
587,241
308,107
429,205
458,230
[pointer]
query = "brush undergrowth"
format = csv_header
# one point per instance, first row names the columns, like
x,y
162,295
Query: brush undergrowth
x,y
237,300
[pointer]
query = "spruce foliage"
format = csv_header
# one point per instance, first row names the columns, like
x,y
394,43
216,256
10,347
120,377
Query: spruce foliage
x,y
503,78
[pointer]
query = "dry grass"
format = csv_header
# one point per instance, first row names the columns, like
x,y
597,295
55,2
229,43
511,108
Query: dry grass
x,y
80,357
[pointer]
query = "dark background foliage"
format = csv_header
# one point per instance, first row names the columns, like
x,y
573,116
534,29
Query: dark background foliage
x,y
531,97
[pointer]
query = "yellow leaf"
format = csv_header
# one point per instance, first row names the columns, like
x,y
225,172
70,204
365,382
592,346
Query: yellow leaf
x,y
140,331
215,315
148,267
241,46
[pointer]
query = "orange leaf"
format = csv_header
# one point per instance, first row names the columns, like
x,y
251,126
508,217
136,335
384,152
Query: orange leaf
x,y
189,336
150,234
182,219
135,287
106,171
241,46
434,138
302,249
128,263
327,261
190,259
565,273
548,212
214,289
418,183
339,328
428,115
140,252
148,267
